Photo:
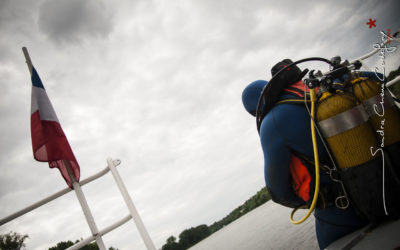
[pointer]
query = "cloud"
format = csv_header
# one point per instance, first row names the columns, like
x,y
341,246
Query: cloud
x,y
64,21
157,84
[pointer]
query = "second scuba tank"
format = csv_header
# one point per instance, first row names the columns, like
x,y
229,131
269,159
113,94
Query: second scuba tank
x,y
384,115
384,178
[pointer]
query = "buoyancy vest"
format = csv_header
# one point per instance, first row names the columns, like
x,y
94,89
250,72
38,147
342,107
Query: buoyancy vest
x,y
297,89
301,178
301,168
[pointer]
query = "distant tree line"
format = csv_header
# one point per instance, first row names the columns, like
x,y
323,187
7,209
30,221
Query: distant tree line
x,y
65,244
258,199
16,241
393,74
187,238
396,87
12,241
190,237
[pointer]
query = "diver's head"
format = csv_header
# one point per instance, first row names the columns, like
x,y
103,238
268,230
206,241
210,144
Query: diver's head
x,y
290,75
251,94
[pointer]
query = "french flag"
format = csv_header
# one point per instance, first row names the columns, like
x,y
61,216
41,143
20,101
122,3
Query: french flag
x,y
49,142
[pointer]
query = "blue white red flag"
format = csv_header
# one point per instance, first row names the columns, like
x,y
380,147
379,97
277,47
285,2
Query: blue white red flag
x,y
49,142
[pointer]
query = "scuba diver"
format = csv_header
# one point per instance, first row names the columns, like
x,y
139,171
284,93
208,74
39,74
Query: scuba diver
x,y
283,121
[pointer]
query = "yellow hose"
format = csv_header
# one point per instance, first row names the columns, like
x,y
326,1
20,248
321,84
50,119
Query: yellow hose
x,y
316,159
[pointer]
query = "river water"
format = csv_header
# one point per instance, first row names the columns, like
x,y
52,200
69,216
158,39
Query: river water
x,y
266,227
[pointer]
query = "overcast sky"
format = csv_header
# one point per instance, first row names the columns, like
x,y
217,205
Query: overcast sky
x,y
156,84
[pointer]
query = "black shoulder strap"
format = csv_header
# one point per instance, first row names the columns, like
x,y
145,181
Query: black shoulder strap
x,y
296,91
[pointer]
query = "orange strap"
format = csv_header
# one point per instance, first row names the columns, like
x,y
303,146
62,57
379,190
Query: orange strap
x,y
298,88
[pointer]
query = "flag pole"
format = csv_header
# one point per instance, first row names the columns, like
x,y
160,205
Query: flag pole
x,y
85,208
75,184
28,59
135,215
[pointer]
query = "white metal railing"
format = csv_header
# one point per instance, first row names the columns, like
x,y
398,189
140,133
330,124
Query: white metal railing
x,y
106,230
377,49
96,234
50,198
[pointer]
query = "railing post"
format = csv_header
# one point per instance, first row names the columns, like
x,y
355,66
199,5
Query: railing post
x,y
135,215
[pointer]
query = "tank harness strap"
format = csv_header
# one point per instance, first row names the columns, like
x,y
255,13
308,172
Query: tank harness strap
x,y
356,116
344,121
376,104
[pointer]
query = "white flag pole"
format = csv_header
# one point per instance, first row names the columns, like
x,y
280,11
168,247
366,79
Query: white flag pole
x,y
28,59
135,215
85,208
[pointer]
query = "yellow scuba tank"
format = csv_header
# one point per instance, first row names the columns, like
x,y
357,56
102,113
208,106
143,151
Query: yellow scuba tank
x,y
345,126
384,115
354,127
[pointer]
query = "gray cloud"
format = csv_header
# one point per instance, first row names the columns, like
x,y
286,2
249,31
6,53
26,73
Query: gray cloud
x,y
162,93
65,21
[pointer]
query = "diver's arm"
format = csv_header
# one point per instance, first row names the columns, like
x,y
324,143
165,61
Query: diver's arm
x,y
276,165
